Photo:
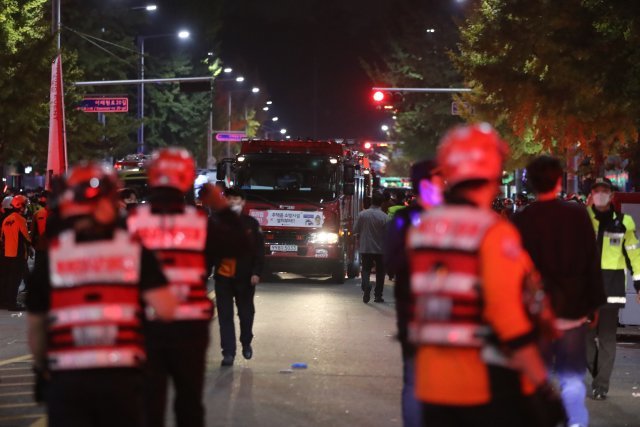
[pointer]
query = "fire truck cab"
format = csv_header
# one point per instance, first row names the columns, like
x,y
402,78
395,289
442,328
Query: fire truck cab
x,y
306,196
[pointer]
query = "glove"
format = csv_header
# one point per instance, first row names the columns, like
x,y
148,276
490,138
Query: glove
x,y
546,408
41,382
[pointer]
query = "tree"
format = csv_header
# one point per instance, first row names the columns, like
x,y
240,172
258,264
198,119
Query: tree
x,y
418,58
26,50
553,76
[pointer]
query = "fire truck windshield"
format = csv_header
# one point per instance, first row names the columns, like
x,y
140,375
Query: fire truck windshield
x,y
289,175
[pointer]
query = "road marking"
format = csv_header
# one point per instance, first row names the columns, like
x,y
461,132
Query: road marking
x,y
16,376
21,417
42,422
18,405
16,393
15,360
15,384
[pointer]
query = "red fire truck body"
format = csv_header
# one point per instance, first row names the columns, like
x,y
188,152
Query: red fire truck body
x,y
306,196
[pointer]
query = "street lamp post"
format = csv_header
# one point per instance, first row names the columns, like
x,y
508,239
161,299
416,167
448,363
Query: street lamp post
x,y
182,34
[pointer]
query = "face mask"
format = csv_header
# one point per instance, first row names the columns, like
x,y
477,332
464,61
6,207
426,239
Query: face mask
x,y
236,208
601,199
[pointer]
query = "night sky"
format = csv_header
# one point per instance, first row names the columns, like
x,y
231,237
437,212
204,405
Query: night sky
x,y
307,55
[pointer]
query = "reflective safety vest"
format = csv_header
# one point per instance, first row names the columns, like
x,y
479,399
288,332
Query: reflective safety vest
x,y
619,239
178,241
95,314
445,276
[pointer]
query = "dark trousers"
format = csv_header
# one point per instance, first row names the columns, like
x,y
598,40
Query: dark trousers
x,y
601,348
411,406
243,292
13,272
184,361
96,398
367,264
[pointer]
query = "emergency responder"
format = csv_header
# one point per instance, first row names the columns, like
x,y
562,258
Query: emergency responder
x,y
85,305
39,227
558,237
617,242
16,242
477,355
236,278
187,244
427,185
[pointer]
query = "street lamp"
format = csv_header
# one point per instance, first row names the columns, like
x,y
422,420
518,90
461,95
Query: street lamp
x,y
228,70
283,131
384,128
239,79
265,109
269,102
182,34
275,119
255,89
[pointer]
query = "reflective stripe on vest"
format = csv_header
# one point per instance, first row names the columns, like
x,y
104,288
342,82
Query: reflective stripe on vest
x,y
97,358
445,276
182,231
104,261
617,300
94,319
179,241
94,313
456,335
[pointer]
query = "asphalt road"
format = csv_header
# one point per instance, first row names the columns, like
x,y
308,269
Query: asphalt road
x,y
353,376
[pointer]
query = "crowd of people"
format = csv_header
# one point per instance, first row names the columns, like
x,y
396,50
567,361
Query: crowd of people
x,y
492,299
496,296
117,299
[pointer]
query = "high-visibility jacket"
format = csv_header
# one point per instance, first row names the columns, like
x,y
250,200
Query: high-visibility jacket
x,y
619,243
39,228
95,313
14,235
468,274
178,240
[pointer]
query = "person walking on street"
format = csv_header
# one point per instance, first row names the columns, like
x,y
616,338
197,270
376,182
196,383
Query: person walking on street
x,y
85,305
370,229
617,242
16,244
558,236
39,227
186,244
236,279
427,185
477,300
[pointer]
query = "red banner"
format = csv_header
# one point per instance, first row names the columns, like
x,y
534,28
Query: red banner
x,y
57,157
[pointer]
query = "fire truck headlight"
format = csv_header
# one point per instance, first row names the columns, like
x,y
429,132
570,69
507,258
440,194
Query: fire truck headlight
x,y
323,238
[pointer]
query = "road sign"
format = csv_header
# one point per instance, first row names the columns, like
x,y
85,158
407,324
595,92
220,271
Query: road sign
x,y
456,107
104,104
231,136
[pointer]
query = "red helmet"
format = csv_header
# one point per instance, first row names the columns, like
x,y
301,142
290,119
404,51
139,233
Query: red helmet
x,y
87,183
172,167
471,152
19,202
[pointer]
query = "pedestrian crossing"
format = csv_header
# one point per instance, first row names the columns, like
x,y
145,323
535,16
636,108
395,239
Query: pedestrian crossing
x,y
17,408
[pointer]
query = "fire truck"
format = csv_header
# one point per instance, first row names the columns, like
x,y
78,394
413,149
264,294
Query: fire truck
x,y
306,196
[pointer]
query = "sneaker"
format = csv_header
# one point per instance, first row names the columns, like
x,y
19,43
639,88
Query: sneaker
x,y
247,352
379,299
367,295
227,360
598,395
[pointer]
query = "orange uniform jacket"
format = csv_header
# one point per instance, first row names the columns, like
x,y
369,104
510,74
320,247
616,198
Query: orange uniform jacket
x,y
38,229
458,376
14,235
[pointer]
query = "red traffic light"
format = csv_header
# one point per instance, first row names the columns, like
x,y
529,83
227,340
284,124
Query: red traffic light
x,y
378,96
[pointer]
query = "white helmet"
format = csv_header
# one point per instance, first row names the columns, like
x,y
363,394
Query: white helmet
x,y
6,202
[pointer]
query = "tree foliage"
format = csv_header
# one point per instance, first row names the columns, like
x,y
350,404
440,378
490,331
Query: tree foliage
x,y
26,50
416,58
554,75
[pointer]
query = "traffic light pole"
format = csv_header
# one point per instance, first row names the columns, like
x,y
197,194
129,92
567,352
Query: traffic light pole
x,y
422,89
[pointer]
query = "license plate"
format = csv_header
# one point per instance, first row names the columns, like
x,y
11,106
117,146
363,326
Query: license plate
x,y
284,248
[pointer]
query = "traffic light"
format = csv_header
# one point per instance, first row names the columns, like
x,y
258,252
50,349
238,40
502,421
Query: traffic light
x,y
386,100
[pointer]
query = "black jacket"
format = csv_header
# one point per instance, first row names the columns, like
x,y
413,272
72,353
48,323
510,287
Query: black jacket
x,y
560,240
251,261
397,262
